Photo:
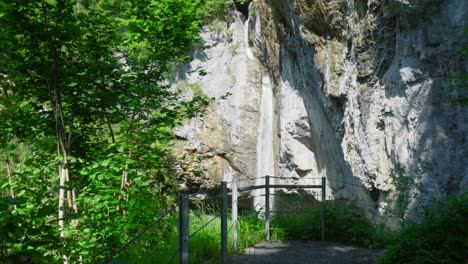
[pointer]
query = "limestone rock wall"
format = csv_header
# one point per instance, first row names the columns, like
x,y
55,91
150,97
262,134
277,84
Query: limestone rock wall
x,y
221,144
364,96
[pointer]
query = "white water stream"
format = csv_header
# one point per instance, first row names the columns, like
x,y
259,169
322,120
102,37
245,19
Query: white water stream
x,y
248,49
265,151
265,142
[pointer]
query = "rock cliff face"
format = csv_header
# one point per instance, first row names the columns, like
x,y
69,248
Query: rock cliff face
x,y
224,139
361,96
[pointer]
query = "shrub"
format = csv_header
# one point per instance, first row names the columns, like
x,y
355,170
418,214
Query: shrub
x,y
343,223
439,237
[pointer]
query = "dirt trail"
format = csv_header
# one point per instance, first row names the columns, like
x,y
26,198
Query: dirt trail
x,y
299,252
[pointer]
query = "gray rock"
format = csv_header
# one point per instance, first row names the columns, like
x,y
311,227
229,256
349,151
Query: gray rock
x,y
227,131
362,94
375,92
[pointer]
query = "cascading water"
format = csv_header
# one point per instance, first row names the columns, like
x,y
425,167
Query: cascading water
x,y
248,49
265,154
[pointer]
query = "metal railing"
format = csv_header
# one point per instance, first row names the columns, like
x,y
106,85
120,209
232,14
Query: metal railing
x,y
267,186
184,224
184,235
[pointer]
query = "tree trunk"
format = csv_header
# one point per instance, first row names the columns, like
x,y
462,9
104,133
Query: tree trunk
x,y
12,192
124,185
61,210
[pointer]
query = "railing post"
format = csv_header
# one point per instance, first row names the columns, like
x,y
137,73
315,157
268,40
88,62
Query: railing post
x,y
234,214
183,229
267,207
322,217
224,229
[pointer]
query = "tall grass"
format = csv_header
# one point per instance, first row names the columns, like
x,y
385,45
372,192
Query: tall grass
x,y
344,224
440,236
204,242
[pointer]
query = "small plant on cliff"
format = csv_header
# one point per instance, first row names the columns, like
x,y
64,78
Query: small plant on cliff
x,y
234,49
213,9
217,9
407,185
460,81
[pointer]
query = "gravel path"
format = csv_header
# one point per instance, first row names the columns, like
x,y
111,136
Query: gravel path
x,y
316,252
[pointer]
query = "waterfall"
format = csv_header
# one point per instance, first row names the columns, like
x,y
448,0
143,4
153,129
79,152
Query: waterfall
x,y
265,151
248,49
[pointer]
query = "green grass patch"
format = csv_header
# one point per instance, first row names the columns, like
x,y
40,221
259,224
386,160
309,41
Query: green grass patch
x,y
205,240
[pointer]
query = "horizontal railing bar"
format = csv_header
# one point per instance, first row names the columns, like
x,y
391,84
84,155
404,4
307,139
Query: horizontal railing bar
x,y
295,186
295,212
288,186
249,188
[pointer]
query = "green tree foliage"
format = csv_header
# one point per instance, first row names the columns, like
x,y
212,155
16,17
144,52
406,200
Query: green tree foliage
x,y
82,88
217,9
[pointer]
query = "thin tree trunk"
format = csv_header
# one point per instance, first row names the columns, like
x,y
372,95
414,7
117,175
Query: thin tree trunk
x,y
63,174
53,84
75,207
63,151
61,209
109,126
71,197
124,185
63,169
12,192
67,179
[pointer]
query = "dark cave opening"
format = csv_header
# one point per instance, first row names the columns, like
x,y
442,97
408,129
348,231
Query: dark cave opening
x,y
374,193
243,7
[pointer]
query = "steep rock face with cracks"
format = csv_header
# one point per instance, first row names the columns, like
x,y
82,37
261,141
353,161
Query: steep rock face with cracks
x,y
221,144
361,96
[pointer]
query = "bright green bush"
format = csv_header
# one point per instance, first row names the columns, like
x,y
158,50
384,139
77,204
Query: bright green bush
x,y
210,10
213,9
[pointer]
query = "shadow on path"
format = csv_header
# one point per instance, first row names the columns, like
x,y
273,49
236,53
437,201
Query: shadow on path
x,y
298,252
